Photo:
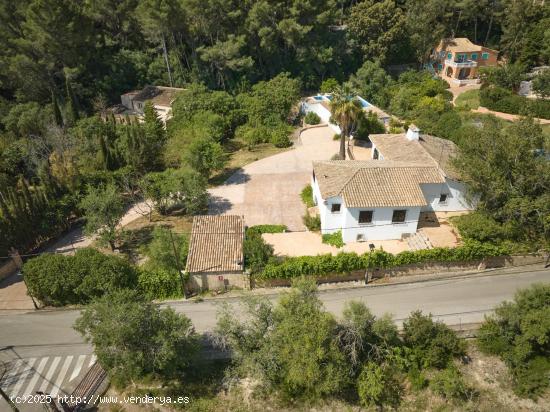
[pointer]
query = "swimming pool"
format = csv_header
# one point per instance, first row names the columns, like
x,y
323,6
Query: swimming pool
x,y
364,103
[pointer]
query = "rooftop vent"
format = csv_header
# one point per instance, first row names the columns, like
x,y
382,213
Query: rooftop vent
x,y
413,133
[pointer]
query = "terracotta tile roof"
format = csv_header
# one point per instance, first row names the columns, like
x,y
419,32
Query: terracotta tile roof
x,y
461,44
428,151
216,244
375,183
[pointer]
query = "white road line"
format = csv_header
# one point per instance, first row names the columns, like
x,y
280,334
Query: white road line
x,y
92,361
37,375
25,373
7,380
78,367
61,376
49,374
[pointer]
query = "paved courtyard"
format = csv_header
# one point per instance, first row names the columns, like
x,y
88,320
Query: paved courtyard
x,y
268,191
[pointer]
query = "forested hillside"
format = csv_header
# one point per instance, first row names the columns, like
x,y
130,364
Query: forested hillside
x,y
244,65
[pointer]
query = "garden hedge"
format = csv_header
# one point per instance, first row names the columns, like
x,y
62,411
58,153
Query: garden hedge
x,y
502,100
322,265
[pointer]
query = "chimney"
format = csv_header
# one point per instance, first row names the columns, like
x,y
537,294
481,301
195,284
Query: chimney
x,y
413,133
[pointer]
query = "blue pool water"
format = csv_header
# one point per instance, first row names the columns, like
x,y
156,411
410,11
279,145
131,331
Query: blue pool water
x,y
364,103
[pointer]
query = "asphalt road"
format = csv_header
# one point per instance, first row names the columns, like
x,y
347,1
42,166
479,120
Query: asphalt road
x,y
457,300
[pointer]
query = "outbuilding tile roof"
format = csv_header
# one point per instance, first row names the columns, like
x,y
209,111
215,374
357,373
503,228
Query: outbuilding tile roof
x,y
427,150
375,183
216,244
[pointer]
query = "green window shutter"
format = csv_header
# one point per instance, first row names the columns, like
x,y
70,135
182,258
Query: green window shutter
x,y
474,56
449,56
485,56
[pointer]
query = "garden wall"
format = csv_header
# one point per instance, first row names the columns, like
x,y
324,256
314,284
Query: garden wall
x,y
417,269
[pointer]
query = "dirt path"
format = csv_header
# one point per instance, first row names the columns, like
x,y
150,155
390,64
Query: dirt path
x,y
13,292
506,116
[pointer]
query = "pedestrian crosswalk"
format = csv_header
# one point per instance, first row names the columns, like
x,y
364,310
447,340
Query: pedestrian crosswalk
x,y
54,375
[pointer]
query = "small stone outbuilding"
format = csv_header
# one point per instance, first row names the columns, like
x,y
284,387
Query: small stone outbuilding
x,y
215,259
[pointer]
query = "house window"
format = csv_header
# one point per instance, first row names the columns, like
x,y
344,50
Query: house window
x,y
484,56
439,66
375,154
449,56
365,216
443,198
474,56
399,216
335,208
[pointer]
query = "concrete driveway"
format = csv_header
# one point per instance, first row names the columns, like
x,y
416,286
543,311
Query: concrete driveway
x,y
268,191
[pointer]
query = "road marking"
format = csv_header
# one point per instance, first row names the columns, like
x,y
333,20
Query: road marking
x,y
37,375
78,367
25,373
61,376
6,381
92,361
50,373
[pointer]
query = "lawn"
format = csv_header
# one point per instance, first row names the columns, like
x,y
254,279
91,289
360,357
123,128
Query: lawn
x,y
240,155
546,130
468,100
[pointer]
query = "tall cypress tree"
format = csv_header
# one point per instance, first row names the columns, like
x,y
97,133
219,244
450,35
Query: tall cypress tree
x,y
71,106
56,111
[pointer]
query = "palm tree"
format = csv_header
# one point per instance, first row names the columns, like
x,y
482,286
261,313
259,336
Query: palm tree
x,y
346,110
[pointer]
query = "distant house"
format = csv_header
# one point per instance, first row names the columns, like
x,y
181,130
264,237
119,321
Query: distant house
x,y
133,103
384,198
457,60
215,259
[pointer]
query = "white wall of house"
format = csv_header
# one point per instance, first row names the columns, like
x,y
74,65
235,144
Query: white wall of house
x,y
347,220
381,227
322,112
456,196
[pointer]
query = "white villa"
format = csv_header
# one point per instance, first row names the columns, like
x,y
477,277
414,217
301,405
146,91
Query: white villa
x,y
383,198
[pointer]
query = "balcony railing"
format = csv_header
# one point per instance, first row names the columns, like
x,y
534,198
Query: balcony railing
x,y
467,63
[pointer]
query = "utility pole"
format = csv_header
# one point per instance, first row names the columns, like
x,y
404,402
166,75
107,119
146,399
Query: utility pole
x,y
178,265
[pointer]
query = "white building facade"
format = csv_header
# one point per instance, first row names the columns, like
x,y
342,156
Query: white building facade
x,y
383,198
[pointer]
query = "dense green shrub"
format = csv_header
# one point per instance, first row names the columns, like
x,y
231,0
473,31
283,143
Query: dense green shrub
x,y
59,280
160,283
378,385
519,333
280,136
312,118
312,223
134,338
334,239
503,100
481,227
450,384
322,265
257,252
433,344
367,125
259,229
307,196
